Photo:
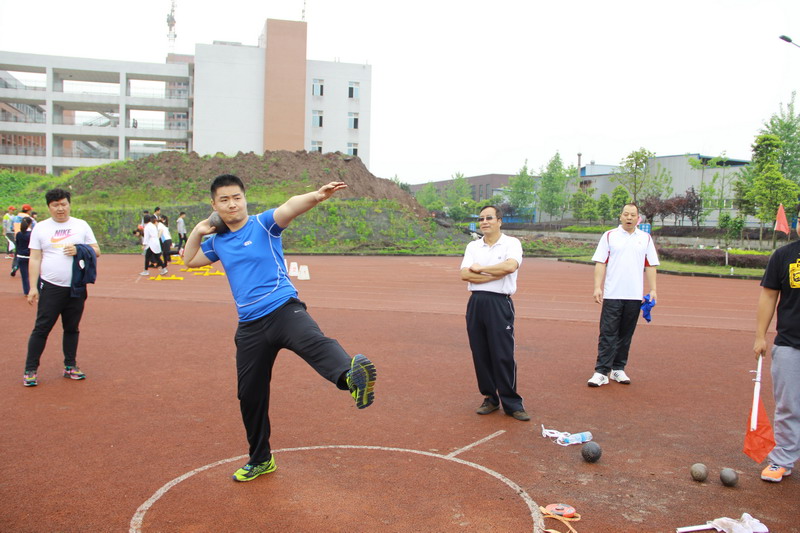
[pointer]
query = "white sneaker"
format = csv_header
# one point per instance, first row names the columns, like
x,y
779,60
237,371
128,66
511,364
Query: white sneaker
x,y
597,379
620,377
164,271
145,273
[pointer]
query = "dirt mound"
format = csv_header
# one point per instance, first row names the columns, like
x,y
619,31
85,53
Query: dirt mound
x,y
295,172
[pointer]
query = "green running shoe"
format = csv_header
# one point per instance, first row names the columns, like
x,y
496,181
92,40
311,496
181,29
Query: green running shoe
x,y
250,471
361,381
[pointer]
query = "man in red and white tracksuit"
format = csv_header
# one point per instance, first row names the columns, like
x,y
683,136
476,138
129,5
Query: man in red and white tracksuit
x,y
622,258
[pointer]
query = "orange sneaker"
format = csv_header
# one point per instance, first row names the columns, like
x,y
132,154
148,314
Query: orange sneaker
x,y
775,473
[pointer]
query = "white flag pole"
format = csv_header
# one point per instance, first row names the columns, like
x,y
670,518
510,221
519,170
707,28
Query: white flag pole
x,y
756,394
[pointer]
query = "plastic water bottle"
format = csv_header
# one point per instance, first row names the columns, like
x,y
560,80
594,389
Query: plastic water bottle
x,y
577,438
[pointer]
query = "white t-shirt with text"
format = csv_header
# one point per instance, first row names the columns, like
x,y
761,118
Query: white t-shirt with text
x,y
51,237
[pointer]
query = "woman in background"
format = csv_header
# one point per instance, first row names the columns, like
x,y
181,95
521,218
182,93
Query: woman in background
x,y
23,252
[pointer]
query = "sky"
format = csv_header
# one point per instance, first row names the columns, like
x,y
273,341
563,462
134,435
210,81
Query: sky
x,y
484,87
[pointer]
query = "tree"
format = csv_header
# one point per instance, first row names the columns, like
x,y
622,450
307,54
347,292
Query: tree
x,y
786,126
457,197
667,208
605,210
692,207
522,191
650,207
677,207
770,188
732,228
635,174
742,186
584,206
619,197
708,190
552,187
708,199
404,186
429,198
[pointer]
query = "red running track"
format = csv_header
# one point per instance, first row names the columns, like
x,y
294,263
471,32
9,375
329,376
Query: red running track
x,y
159,406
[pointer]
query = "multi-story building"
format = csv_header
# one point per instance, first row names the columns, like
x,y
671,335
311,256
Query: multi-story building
x,y
58,113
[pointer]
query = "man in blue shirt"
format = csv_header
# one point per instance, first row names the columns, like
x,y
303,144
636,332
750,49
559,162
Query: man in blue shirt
x,y
270,315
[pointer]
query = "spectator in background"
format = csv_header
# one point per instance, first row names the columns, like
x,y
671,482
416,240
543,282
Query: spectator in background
x,y
23,252
490,268
166,239
54,244
152,246
8,230
181,230
624,256
16,222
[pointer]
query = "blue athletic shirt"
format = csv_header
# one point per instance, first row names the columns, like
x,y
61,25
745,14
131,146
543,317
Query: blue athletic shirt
x,y
253,261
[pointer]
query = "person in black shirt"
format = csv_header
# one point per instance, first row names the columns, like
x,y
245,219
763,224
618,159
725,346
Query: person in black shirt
x,y
23,252
781,287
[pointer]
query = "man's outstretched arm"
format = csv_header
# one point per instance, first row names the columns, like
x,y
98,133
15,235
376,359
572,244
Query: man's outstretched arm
x,y
297,205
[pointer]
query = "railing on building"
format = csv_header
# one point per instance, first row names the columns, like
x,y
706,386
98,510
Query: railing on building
x,y
7,149
87,154
97,89
18,84
5,116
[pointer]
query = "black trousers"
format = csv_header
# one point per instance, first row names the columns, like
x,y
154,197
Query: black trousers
x,y
55,301
617,323
490,328
181,240
166,250
257,346
152,258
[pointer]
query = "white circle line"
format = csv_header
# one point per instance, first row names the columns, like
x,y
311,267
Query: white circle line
x,y
536,515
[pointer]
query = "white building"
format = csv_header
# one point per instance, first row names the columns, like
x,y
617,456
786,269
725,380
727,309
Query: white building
x,y
226,98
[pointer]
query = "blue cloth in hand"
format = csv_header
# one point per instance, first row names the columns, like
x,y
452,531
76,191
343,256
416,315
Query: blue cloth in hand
x,y
647,305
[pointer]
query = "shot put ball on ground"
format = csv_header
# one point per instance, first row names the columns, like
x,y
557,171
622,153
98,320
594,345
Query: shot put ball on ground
x,y
729,477
591,452
699,472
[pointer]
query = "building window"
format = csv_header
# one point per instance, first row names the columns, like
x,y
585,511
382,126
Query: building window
x,y
316,119
352,121
352,149
318,87
316,146
352,90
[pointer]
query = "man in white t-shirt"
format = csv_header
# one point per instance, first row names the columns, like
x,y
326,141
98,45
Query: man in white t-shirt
x,y
622,258
490,269
52,248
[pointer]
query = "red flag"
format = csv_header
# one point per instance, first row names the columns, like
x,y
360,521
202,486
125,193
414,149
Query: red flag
x,y
781,224
759,442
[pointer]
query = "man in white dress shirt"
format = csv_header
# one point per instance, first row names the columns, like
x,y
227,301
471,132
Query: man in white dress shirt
x,y
490,269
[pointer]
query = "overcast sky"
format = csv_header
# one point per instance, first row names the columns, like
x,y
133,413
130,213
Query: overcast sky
x,y
481,87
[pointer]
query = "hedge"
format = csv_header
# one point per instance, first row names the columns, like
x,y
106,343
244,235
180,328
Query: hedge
x,y
712,257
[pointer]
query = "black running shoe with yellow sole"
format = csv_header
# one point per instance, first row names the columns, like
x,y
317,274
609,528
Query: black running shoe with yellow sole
x,y
361,381
250,471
